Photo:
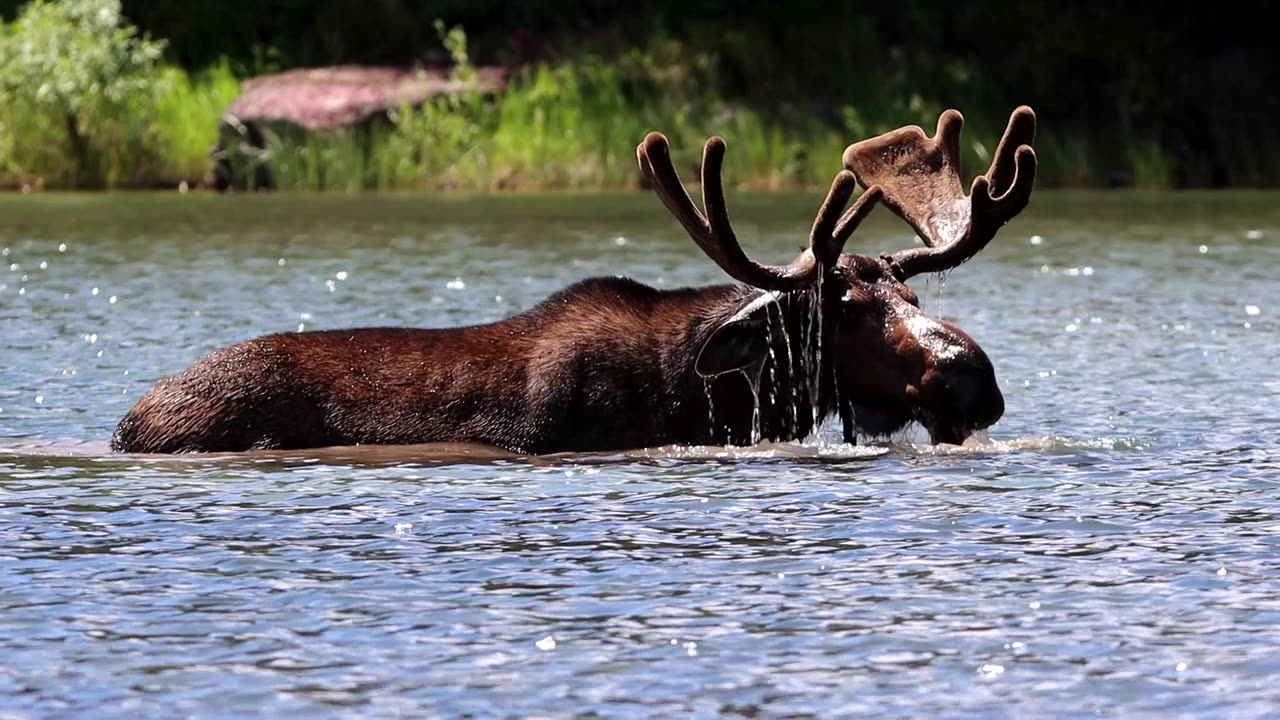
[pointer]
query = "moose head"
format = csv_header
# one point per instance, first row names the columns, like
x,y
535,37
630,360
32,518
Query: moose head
x,y
888,363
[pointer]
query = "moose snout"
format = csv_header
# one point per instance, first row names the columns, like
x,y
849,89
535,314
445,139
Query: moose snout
x,y
958,392
966,392
960,395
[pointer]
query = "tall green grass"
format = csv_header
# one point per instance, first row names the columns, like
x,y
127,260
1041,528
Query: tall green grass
x,y
185,119
572,124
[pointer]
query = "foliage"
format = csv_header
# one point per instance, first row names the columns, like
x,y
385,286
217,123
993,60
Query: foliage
x,y
74,68
86,100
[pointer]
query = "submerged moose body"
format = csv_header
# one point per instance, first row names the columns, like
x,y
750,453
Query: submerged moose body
x,y
610,363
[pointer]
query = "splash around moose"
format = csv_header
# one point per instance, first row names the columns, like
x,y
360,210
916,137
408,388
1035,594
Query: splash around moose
x,y
609,363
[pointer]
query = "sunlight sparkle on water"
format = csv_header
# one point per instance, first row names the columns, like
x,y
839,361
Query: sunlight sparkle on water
x,y
890,577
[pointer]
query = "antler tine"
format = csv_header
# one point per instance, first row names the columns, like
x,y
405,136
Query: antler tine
x,y
831,230
713,232
921,178
850,221
667,186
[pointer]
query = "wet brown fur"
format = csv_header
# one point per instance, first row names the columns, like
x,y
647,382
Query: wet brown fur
x,y
604,364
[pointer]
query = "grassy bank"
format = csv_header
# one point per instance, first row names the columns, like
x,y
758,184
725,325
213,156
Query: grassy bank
x,y
133,121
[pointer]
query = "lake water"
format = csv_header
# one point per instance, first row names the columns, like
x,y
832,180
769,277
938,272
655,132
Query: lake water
x,y
1112,548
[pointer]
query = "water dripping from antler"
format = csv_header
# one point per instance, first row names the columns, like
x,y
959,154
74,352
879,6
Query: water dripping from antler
x,y
711,410
773,355
940,279
815,378
752,376
791,364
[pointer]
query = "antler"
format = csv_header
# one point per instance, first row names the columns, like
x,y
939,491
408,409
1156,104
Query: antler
x,y
921,181
714,233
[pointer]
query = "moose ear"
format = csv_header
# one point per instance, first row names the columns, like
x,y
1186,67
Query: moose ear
x,y
739,342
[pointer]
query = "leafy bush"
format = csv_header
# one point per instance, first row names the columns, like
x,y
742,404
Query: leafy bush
x,y
76,76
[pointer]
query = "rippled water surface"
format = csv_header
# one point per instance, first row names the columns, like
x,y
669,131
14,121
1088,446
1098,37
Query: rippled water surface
x,y
1112,548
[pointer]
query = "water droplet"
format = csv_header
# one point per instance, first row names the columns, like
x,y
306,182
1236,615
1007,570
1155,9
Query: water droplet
x,y
403,528
333,286
1036,240
1086,270
112,300
991,670
1222,571
44,264
619,241
1181,667
1204,249
281,262
1252,309
39,399
1034,604
546,643
1254,235
341,275
1071,327
93,291
302,326
62,247
456,284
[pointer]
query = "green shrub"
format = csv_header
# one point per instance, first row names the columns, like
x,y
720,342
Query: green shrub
x,y
78,77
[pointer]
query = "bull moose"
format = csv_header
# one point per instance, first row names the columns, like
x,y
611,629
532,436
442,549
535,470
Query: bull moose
x,y
609,363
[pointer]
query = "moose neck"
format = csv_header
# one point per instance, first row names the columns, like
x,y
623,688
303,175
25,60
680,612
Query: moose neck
x,y
790,391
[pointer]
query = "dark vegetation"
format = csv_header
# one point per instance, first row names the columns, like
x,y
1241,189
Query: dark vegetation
x,y
1146,94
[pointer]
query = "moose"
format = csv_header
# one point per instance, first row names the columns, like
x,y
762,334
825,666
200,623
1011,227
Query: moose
x,y
610,363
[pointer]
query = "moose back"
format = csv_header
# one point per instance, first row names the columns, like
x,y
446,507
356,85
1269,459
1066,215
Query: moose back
x,y
609,363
